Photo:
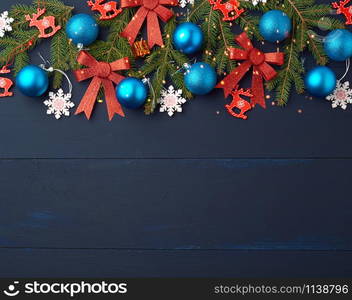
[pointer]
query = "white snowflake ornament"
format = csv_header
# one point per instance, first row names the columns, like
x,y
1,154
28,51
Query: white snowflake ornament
x,y
5,23
341,96
255,2
171,101
184,3
59,104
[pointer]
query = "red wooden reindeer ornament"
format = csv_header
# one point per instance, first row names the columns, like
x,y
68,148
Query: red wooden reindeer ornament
x,y
5,83
107,10
230,9
342,9
239,103
43,24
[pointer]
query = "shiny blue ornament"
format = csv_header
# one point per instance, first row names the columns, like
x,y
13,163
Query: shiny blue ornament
x,y
188,38
32,81
200,78
82,29
338,44
275,26
320,81
131,92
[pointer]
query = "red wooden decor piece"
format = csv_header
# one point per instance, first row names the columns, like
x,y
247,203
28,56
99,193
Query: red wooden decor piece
x,y
107,10
43,24
239,103
5,83
230,9
342,9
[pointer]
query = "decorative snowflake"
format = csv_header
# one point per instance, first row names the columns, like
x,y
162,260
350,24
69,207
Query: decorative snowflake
x,y
5,23
183,3
255,2
59,104
341,95
171,101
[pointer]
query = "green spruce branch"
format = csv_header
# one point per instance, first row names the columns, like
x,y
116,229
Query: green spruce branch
x,y
115,47
217,35
163,64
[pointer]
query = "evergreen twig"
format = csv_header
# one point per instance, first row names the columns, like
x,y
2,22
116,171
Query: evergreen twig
x,y
306,15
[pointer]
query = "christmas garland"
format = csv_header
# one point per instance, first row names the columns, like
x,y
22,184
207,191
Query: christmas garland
x,y
165,58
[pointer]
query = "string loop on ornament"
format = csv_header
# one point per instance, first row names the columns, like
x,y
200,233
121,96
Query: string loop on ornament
x,y
50,69
146,80
348,63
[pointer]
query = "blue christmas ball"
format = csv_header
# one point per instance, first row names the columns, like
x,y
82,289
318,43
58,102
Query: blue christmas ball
x,y
32,81
320,81
275,26
200,78
188,38
338,44
131,92
82,29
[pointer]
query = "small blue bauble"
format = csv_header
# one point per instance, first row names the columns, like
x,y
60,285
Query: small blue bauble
x,y
320,81
82,29
200,78
188,38
338,44
275,26
131,92
32,81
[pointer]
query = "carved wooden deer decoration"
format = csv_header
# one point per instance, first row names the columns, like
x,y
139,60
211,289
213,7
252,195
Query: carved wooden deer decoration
x,y
230,9
107,10
5,83
342,9
239,103
43,24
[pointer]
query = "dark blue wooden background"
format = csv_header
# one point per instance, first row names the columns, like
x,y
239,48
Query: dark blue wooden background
x,y
201,194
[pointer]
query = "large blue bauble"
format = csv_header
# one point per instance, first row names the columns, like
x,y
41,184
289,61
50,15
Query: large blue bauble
x,y
275,26
320,81
188,38
32,81
82,29
338,44
200,78
131,92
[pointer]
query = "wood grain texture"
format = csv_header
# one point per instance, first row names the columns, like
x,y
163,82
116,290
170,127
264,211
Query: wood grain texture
x,y
195,263
193,204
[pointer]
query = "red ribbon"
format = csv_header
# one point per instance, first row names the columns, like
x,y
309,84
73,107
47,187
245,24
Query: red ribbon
x,y
150,10
261,68
103,75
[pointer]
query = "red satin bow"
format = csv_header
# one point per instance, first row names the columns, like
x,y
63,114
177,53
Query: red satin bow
x,y
261,68
150,9
103,74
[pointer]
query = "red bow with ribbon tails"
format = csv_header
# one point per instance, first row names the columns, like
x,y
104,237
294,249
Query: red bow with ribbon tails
x,y
261,68
150,10
103,75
